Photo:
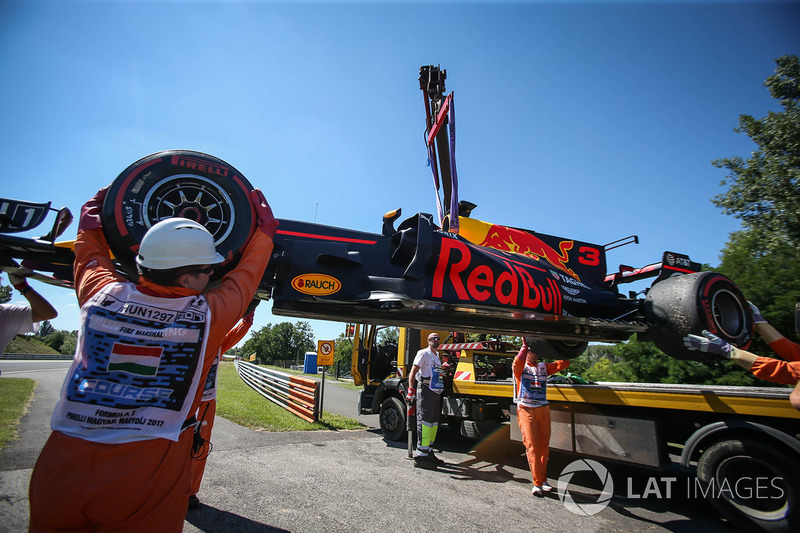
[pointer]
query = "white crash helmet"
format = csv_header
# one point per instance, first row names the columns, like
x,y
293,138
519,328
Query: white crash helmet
x,y
177,242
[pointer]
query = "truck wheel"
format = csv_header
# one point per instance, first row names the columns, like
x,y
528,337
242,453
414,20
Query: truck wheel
x,y
179,183
748,481
690,303
393,419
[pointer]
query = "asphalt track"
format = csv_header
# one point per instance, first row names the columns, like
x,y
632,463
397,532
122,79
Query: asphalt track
x,y
329,481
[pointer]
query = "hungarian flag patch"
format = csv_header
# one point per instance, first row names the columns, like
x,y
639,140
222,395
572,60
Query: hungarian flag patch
x,y
140,360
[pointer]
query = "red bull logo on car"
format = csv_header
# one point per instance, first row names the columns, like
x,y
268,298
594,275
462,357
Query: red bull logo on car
x,y
505,282
524,243
517,241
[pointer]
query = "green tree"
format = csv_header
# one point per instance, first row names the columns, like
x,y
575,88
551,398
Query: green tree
x,y
390,335
636,361
771,280
69,343
279,342
257,344
54,339
604,369
45,329
764,192
5,294
591,357
343,353
238,352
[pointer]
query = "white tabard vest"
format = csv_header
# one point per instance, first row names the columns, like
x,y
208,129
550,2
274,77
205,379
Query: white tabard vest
x,y
533,386
137,366
429,363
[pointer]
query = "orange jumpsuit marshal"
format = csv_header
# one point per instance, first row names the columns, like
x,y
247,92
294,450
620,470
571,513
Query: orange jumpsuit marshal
x,y
118,458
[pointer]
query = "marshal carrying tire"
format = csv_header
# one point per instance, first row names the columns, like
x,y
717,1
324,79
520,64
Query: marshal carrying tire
x,y
179,183
754,485
690,303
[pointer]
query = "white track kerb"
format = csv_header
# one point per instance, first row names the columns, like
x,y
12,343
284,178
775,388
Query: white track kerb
x,y
585,509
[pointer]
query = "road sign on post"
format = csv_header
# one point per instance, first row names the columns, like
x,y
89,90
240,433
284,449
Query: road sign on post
x,y
325,353
324,359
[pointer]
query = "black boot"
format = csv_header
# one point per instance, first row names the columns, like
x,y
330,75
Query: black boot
x,y
436,460
194,501
424,461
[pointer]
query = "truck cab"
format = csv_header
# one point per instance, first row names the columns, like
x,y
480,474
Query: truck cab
x,y
477,378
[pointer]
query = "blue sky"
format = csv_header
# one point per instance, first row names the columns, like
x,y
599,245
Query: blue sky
x,y
588,120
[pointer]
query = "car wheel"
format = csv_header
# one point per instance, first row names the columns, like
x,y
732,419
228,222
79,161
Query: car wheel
x,y
393,419
179,183
752,483
690,303
569,349
555,349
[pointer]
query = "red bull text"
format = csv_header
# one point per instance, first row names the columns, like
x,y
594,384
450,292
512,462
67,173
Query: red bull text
x,y
505,282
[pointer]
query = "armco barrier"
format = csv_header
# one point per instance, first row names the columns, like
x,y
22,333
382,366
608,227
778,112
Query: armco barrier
x,y
298,395
31,356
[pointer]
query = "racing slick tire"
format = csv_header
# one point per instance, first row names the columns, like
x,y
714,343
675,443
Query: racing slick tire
x,y
753,484
690,303
392,419
181,183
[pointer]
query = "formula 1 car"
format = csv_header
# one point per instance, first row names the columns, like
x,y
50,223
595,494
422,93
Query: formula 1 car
x,y
456,272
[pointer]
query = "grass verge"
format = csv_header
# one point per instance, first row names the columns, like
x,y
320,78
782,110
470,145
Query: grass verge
x,y
15,397
237,402
29,344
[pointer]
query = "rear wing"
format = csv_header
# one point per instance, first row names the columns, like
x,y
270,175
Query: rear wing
x,y
35,254
17,216
671,263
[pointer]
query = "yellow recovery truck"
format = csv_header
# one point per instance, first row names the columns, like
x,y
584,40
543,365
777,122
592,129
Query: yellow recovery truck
x,y
737,441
